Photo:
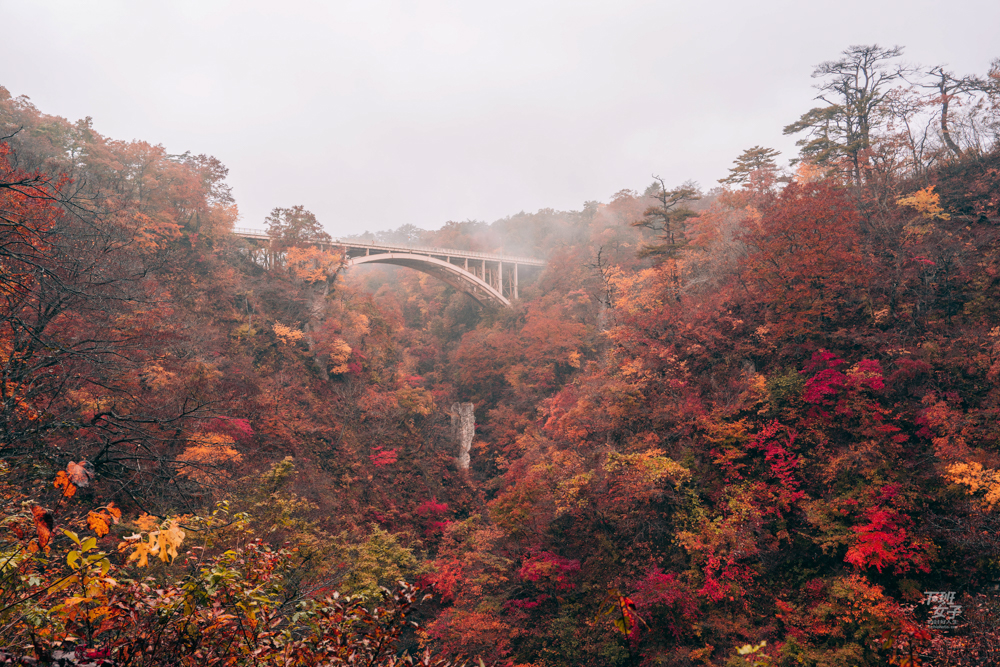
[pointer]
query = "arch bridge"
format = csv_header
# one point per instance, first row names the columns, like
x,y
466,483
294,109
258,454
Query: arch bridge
x,y
486,277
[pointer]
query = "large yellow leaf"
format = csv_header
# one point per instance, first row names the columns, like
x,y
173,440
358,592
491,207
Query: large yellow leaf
x,y
141,554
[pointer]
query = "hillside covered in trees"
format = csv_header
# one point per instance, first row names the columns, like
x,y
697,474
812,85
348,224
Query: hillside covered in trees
x,y
750,425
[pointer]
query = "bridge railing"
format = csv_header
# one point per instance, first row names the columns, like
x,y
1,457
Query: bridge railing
x,y
429,250
246,231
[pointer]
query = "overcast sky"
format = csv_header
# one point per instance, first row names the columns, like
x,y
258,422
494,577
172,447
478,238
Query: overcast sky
x,y
374,114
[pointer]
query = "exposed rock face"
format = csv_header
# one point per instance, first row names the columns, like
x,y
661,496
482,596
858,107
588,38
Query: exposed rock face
x,y
316,309
463,425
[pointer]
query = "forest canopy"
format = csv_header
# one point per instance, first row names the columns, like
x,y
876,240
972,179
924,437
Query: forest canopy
x,y
754,425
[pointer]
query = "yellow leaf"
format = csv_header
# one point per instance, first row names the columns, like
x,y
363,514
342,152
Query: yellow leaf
x,y
340,354
141,554
287,334
976,478
175,536
926,202
167,542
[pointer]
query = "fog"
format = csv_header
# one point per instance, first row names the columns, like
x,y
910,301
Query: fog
x,y
383,113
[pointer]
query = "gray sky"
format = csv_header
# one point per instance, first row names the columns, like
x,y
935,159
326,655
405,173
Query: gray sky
x,y
377,113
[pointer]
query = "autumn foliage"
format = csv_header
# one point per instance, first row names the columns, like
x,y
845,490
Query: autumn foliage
x,y
749,426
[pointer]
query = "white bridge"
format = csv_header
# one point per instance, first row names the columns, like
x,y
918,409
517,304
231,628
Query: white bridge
x,y
486,277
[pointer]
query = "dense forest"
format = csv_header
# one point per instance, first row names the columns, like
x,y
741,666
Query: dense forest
x,y
750,425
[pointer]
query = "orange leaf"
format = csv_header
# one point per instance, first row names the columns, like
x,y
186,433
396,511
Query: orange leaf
x,y
62,482
116,514
97,612
98,522
43,525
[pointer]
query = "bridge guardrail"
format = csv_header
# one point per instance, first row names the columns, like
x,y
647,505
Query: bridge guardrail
x,y
452,252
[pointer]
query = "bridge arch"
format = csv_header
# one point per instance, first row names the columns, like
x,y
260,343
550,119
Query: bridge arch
x,y
453,275
486,277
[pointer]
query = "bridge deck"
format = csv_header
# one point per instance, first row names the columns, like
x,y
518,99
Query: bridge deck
x,y
262,235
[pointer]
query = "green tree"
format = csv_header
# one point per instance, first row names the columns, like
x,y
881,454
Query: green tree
x,y
752,160
855,90
667,218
